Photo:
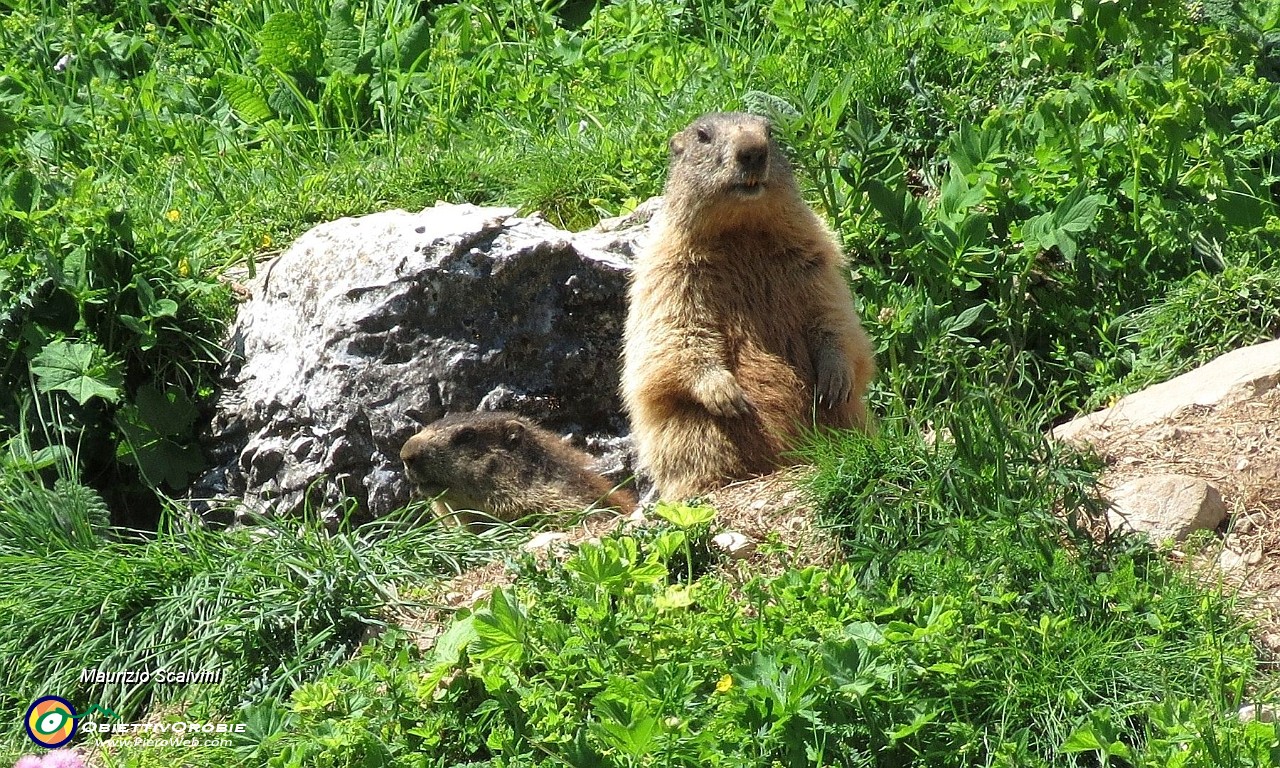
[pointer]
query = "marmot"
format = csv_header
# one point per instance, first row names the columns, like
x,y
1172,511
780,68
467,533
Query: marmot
x,y
741,331
500,466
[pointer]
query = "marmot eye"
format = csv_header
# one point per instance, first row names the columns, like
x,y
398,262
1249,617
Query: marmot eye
x,y
704,135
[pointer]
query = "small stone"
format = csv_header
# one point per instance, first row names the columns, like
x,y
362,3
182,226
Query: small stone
x,y
1242,464
734,544
1166,506
544,541
1234,559
1263,713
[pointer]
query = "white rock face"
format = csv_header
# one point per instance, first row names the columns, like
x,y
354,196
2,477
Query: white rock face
x,y
1236,376
734,544
1166,507
369,327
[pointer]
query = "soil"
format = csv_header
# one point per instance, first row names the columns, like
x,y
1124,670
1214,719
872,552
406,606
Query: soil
x,y
1236,448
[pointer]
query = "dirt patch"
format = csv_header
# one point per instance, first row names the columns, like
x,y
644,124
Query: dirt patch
x,y
1236,447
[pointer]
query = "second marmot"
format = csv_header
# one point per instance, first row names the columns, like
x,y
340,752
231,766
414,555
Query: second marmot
x,y
741,331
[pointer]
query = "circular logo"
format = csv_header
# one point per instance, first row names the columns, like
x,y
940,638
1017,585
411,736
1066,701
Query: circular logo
x,y
51,721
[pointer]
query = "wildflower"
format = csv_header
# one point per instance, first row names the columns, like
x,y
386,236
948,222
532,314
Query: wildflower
x,y
58,758
62,758
173,216
184,267
265,242
725,684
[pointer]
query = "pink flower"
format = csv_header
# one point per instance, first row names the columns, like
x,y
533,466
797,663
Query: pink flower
x,y
58,758
62,758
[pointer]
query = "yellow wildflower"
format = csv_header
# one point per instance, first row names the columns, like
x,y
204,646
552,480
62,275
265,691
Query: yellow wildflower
x,y
265,242
173,215
725,684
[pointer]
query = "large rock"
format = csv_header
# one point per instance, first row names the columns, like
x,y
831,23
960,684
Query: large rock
x,y
368,327
1166,506
1243,374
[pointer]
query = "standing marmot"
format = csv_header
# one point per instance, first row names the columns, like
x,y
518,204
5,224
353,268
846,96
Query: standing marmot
x,y
741,331
503,467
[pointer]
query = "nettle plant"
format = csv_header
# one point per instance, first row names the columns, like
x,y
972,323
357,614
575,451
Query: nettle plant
x,y
349,70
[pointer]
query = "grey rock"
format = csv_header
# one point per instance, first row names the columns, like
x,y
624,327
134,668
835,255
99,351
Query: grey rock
x,y
1166,507
369,327
1242,374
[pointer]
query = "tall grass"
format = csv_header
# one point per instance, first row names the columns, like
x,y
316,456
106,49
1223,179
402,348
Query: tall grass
x,y
269,607
983,509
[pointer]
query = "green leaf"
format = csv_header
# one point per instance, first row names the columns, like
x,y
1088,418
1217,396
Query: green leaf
x,y
676,597
627,726
919,721
1083,740
20,193
341,40
451,644
160,459
777,109
685,515
1077,212
246,97
78,370
168,413
407,50
898,208
974,149
290,43
962,321
500,628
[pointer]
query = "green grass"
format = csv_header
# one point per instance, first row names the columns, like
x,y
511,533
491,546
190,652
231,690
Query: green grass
x,y
269,606
969,626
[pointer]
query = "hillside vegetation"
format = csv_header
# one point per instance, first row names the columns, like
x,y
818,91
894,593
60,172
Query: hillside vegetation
x,y
1047,204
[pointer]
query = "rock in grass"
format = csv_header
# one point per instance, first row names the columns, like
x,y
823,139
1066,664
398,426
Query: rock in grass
x,y
1166,507
1263,713
734,544
1243,374
368,327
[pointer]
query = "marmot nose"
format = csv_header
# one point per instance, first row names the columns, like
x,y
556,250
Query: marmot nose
x,y
752,158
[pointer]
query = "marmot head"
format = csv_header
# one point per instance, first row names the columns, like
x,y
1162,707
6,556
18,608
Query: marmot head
x,y
727,162
468,452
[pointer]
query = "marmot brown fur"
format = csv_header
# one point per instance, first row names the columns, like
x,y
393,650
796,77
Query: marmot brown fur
x,y
741,331
500,466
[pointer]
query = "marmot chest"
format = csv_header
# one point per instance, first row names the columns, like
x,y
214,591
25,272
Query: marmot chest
x,y
762,306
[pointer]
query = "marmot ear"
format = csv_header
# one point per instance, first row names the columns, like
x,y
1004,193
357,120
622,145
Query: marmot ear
x,y
676,145
514,433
